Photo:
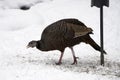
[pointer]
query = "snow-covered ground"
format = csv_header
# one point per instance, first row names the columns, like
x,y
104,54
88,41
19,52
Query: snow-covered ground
x,y
18,27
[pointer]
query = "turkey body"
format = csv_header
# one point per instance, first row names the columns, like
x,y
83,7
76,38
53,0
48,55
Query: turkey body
x,y
66,33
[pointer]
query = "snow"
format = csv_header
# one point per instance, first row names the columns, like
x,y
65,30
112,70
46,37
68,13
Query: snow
x,y
18,27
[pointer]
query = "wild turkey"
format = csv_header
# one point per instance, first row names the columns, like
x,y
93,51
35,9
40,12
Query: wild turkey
x,y
64,33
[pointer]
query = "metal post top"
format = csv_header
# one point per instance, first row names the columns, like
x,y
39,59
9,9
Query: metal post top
x,y
99,3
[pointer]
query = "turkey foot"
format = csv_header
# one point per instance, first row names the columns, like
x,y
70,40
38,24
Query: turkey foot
x,y
58,63
75,60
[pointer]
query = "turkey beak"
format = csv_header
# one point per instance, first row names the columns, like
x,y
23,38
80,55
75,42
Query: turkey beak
x,y
27,46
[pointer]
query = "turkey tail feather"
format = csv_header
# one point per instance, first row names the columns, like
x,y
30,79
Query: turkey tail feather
x,y
90,41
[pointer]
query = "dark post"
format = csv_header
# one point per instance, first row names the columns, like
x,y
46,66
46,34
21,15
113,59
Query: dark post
x,y
100,4
101,35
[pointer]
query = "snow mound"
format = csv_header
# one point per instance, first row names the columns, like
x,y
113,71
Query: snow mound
x,y
12,20
14,4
